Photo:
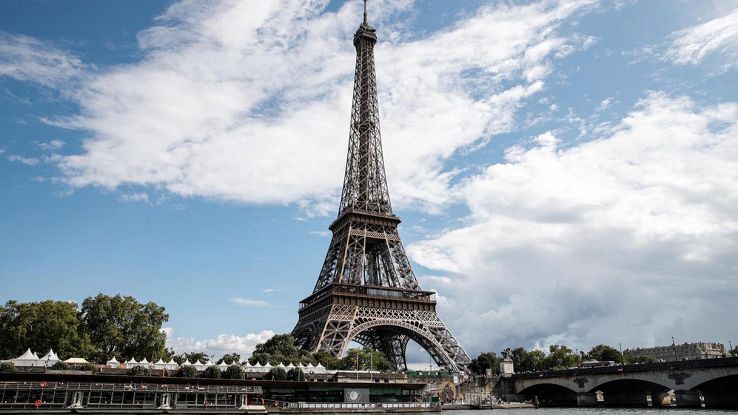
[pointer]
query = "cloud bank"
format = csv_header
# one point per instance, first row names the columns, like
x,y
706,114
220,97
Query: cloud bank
x,y
631,237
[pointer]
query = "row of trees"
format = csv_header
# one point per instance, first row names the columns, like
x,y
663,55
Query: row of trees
x,y
281,349
558,357
102,327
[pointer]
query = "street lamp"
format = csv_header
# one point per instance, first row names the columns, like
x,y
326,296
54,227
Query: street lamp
x,y
673,344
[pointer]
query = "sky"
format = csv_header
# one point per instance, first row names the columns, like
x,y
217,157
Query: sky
x,y
566,171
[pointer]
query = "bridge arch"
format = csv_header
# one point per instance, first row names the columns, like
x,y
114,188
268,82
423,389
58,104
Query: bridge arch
x,y
551,394
719,392
633,382
391,336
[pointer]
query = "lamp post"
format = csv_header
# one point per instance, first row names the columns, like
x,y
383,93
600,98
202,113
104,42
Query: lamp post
x,y
622,359
673,345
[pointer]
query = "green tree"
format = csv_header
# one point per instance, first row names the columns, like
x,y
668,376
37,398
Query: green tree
x,y
279,349
560,357
637,359
234,371
194,357
60,366
187,372
88,367
295,374
365,359
229,358
139,371
276,373
328,360
6,367
604,352
42,326
525,361
122,326
211,372
485,360
734,351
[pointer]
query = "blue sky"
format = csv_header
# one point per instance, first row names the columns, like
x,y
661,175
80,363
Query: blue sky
x,y
565,171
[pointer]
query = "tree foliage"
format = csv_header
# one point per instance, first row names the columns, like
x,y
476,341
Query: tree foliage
x,y
485,360
6,367
276,373
637,359
604,352
365,359
60,366
229,358
122,326
187,372
561,357
295,374
234,371
211,372
139,371
192,357
279,349
42,326
328,360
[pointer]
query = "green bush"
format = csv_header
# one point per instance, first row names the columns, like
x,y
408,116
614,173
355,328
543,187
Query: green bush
x,y
234,371
139,371
60,366
211,372
295,374
276,373
187,372
6,367
88,367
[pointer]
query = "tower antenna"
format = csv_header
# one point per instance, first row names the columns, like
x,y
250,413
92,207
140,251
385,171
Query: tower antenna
x,y
365,12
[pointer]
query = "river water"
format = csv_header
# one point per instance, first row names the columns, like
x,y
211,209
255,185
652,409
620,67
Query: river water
x,y
597,411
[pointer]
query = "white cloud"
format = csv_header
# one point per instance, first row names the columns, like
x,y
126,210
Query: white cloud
x,y
249,302
28,161
631,237
718,36
135,197
222,344
249,101
51,145
28,59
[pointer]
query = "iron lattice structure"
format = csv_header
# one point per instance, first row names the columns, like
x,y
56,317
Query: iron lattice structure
x,y
367,291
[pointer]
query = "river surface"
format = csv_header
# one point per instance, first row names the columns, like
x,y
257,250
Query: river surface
x,y
597,411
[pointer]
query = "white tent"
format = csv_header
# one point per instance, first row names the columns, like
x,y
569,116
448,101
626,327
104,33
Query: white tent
x,y
131,363
160,364
49,358
144,363
199,365
310,368
113,363
27,359
186,363
171,365
320,368
222,366
76,361
209,363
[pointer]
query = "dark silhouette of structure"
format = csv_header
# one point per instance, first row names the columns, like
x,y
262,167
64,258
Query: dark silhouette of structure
x,y
367,291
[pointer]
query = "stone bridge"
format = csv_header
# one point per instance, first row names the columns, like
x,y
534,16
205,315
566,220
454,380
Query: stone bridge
x,y
710,383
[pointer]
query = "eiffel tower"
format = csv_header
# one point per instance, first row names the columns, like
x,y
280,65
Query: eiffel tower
x,y
367,291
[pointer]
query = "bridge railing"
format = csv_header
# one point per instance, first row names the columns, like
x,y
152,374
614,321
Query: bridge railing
x,y
642,367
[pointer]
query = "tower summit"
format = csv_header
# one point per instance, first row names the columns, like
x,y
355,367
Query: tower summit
x,y
366,290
